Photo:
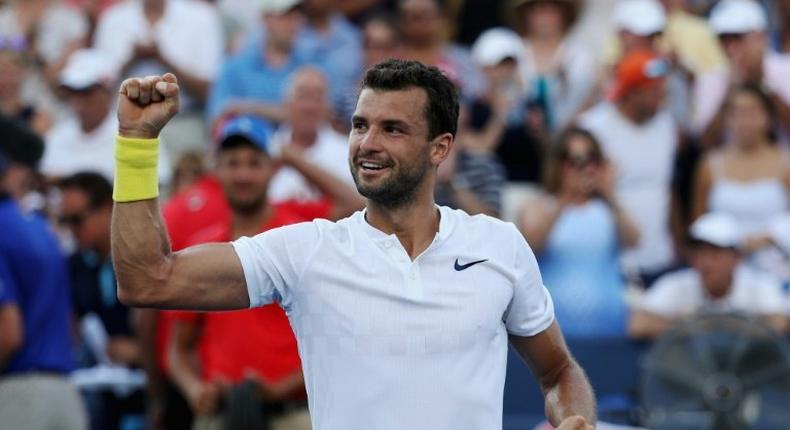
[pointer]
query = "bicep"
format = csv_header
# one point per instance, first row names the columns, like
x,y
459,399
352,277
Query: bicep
x,y
205,277
11,329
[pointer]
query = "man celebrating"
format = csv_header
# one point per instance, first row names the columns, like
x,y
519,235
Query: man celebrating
x,y
402,311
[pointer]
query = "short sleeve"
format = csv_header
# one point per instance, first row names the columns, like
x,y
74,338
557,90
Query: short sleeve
x,y
8,286
770,296
531,309
669,296
273,262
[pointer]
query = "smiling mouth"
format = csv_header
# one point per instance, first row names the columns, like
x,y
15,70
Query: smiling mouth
x,y
368,166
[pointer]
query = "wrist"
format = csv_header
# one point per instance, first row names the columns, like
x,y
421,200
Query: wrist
x,y
137,132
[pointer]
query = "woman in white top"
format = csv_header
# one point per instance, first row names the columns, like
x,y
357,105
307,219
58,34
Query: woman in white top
x,y
749,176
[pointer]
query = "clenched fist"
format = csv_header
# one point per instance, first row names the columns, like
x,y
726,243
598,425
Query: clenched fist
x,y
145,105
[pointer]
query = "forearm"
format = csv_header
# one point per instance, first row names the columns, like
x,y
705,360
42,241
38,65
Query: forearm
x,y
645,325
537,231
466,200
140,250
146,321
626,229
568,393
488,139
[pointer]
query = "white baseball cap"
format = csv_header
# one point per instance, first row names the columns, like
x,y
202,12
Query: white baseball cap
x,y
86,68
277,6
496,44
640,17
718,229
738,17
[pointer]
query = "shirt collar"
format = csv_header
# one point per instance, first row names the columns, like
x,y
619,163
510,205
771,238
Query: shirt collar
x,y
445,225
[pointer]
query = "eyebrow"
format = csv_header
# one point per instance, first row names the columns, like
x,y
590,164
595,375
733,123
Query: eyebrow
x,y
384,123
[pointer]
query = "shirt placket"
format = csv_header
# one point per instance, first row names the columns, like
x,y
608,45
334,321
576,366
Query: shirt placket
x,y
410,270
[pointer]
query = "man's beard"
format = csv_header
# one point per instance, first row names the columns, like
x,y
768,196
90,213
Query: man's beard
x,y
248,206
398,190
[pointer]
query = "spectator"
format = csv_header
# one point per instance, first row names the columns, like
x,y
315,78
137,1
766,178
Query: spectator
x,y
329,36
781,35
49,28
13,69
500,121
35,341
741,27
716,283
252,82
749,177
85,142
554,68
578,231
422,23
307,127
150,37
690,39
381,40
258,345
640,138
86,209
643,25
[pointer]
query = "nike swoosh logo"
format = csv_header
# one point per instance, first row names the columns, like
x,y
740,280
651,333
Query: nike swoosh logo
x,y
460,267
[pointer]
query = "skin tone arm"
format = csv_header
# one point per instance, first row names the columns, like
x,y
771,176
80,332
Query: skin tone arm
x,y
149,273
145,323
570,402
345,199
537,219
647,325
703,181
182,361
11,332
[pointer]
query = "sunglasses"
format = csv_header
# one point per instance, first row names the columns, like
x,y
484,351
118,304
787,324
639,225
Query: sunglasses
x,y
579,161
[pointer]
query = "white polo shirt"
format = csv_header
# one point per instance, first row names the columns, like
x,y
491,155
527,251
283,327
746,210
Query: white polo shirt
x,y
388,343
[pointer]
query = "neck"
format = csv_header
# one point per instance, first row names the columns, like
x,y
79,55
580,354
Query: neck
x,y
153,9
249,223
304,138
629,113
749,147
320,22
276,54
90,126
414,223
11,105
720,293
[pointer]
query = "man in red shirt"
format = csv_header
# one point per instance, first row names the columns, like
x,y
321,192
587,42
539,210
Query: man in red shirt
x,y
251,345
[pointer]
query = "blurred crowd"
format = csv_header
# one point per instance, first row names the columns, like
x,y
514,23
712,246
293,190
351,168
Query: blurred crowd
x,y
641,146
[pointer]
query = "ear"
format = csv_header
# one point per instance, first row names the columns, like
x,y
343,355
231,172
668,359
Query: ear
x,y
441,147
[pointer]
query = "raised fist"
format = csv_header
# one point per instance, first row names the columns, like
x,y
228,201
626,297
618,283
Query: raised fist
x,y
145,105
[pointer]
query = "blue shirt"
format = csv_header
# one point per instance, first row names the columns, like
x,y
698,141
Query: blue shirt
x,y
340,50
247,76
33,276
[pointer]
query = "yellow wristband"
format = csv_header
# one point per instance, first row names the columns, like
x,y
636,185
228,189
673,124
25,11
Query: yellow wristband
x,y
136,176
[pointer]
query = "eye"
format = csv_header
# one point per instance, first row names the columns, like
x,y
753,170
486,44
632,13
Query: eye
x,y
391,129
358,126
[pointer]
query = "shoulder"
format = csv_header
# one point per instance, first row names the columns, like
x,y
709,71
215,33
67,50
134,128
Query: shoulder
x,y
595,114
119,12
479,230
755,280
683,279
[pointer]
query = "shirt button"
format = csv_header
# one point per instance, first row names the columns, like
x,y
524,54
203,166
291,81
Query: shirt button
x,y
413,276
388,244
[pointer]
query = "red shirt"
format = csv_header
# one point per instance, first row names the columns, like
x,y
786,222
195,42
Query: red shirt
x,y
232,342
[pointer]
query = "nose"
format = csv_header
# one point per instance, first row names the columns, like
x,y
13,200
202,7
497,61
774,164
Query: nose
x,y
370,141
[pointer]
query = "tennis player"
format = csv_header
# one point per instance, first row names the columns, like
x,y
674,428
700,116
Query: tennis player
x,y
403,311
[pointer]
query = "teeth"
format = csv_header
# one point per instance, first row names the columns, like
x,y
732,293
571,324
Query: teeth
x,y
372,166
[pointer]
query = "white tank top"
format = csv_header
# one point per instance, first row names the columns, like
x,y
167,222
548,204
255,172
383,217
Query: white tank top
x,y
753,203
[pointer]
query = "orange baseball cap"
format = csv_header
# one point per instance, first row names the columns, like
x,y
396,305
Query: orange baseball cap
x,y
638,69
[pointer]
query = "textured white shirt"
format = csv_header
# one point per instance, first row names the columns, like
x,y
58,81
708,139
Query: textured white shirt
x,y
389,343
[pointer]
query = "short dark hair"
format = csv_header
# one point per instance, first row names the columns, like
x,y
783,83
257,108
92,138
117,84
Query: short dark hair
x,y
19,144
442,108
95,186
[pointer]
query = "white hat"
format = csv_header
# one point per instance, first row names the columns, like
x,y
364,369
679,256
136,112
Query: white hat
x,y
717,229
496,44
640,17
86,68
738,17
277,6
